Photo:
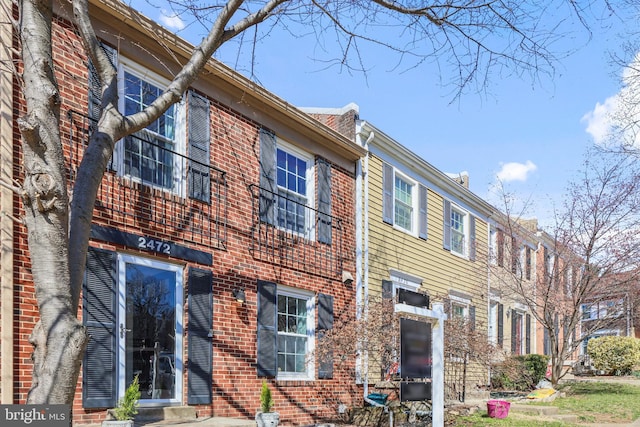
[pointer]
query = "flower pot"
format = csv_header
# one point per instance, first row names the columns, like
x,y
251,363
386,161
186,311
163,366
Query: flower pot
x,y
267,419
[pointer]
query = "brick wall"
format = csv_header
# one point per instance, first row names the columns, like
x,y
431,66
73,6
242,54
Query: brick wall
x,y
235,149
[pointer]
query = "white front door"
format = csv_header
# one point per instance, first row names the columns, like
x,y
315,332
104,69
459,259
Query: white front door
x,y
150,328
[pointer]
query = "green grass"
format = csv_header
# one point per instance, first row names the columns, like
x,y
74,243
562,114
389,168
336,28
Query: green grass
x,y
592,402
513,420
600,401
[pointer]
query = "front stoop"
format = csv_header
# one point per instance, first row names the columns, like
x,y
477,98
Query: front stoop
x,y
169,413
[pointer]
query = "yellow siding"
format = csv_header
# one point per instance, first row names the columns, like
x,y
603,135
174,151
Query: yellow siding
x,y
440,270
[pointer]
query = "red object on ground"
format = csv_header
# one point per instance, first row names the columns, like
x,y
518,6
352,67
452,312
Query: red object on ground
x,y
498,408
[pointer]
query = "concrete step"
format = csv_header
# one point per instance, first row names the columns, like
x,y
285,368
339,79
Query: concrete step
x,y
534,409
186,413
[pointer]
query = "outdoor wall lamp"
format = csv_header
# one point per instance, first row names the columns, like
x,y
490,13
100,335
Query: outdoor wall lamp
x,y
239,295
347,278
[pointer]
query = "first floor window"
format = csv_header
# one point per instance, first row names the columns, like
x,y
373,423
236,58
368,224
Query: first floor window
x,y
295,332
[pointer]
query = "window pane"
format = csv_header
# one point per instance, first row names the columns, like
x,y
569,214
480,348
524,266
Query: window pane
x,y
291,177
147,154
292,334
403,204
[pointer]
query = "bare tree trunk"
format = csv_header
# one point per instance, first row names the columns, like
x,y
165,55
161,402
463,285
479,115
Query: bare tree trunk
x,y
58,338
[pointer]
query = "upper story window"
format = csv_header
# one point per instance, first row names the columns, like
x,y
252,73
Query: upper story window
x,y
288,179
149,155
293,173
459,231
404,202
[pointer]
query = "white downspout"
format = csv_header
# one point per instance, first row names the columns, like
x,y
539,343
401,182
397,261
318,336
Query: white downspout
x,y
489,293
365,253
7,212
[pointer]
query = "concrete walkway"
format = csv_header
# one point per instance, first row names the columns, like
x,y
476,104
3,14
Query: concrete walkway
x,y
200,422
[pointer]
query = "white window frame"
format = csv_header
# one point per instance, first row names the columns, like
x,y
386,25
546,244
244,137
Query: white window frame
x,y
309,374
403,280
465,231
492,324
309,229
493,246
460,302
414,203
179,173
593,312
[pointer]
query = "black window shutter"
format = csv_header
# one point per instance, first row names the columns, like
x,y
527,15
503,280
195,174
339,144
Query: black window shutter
x,y
99,315
514,325
268,187
387,289
267,333
324,201
198,174
546,343
200,351
472,237
500,325
387,193
528,334
325,323
472,317
95,93
446,220
422,218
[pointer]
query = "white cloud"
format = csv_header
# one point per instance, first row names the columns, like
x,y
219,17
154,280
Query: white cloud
x,y
170,20
514,171
617,120
600,120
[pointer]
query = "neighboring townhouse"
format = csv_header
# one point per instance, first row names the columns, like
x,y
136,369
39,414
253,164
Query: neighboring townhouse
x,y
558,274
222,242
425,232
610,311
512,278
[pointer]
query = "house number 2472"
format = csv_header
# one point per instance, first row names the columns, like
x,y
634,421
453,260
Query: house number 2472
x,y
154,245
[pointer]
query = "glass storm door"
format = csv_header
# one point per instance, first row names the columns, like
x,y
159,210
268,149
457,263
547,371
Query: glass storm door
x,y
150,328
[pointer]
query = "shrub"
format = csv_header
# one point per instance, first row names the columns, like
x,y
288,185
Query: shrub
x,y
614,355
519,372
266,401
128,406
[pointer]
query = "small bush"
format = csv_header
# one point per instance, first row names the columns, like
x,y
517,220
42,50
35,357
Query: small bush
x,y
614,355
520,373
128,405
266,401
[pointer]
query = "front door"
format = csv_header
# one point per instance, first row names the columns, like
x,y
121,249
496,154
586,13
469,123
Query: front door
x,y
150,328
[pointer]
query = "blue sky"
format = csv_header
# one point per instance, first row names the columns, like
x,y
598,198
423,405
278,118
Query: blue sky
x,y
532,135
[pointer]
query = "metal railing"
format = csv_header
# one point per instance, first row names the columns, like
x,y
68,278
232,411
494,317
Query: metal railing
x,y
288,233
135,199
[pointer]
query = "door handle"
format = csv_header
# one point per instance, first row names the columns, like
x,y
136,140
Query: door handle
x,y
123,330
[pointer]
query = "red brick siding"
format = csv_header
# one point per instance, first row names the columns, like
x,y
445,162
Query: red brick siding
x,y
235,149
